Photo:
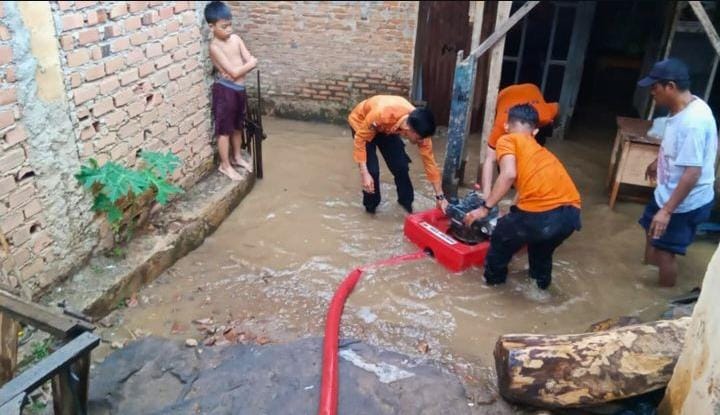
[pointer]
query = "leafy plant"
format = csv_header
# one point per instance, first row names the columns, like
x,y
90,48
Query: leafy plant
x,y
36,407
115,187
163,164
40,350
118,252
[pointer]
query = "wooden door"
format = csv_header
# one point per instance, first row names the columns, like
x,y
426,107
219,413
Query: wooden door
x,y
443,30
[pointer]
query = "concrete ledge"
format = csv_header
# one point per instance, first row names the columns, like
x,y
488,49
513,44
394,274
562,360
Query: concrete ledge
x,y
178,229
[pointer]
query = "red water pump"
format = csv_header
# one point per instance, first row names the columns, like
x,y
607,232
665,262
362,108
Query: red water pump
x,y
429,231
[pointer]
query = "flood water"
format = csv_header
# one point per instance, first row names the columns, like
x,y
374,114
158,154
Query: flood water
x,y
276,261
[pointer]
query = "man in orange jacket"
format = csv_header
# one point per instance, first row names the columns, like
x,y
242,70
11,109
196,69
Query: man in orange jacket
x,y
379,122
507,98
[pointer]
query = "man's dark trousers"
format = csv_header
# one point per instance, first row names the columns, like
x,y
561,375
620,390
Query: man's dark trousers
x,y
392,149
542,232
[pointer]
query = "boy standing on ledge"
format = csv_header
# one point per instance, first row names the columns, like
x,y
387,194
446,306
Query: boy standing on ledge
x,y
232,62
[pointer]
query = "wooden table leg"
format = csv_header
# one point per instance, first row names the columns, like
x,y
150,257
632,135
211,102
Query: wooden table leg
x,y
619,174
613,159
614,193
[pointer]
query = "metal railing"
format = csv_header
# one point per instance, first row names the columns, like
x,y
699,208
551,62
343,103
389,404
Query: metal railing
x,y
254,133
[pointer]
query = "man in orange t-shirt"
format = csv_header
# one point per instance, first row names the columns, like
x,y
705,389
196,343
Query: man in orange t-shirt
x,y
548,207
378,123
508,98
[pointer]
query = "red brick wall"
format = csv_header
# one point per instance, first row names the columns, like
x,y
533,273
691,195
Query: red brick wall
x,y
135,74
21,217
318,58
136,77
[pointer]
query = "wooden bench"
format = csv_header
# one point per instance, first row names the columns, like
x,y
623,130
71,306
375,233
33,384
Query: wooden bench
x,y
68,367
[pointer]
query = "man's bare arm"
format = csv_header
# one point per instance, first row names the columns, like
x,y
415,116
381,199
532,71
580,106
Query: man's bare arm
x,y
508,173
689,178
662,218
488,171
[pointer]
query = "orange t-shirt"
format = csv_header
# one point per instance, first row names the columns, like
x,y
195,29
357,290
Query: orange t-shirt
x,y
542,182
517,95
384,114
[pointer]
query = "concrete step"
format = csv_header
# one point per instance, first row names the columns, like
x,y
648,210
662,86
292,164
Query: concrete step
x,y
176,230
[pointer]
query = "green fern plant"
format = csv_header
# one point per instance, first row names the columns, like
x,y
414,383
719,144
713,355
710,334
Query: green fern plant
x,y
115,186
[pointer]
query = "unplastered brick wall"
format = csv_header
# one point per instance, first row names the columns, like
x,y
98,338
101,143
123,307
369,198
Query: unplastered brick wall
x,y
136,76
22,222
318,58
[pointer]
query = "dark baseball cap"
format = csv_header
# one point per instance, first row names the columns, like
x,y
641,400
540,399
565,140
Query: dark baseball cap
x,y
666,70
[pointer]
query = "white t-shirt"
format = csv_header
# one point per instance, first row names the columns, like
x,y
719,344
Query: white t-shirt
x,y
690,140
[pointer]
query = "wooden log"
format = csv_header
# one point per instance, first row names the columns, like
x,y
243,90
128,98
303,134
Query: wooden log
x,y
564,371
613,323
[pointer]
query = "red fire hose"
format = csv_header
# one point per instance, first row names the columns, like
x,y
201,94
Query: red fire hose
x,y
329,385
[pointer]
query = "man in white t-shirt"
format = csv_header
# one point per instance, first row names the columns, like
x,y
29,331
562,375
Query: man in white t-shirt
x,y
684,169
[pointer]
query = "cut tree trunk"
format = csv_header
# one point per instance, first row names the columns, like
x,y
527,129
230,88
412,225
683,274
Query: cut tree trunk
x,y
556,371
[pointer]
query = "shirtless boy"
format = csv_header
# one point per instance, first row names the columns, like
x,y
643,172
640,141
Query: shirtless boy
x,y
232,61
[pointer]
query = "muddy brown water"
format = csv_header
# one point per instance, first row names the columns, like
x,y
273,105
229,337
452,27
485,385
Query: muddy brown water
x,y
277,259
